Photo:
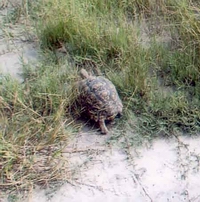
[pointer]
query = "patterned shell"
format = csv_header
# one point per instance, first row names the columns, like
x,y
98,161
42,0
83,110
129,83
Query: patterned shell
x,y
99,97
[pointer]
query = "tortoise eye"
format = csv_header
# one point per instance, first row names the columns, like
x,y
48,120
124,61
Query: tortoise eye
x,y
119,115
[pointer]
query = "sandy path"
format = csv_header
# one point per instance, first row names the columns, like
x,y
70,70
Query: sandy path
x,y
17,45
166,171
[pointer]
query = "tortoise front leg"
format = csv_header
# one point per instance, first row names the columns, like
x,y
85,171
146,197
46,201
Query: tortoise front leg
x,y
103,127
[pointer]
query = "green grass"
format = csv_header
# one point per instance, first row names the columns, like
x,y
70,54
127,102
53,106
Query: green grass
x,y
109,33
34,126
150,51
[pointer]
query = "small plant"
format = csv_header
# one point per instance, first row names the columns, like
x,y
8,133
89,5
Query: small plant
x,y
13,16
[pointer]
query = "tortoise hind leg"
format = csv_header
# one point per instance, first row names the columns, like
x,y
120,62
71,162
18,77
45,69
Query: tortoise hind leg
x,y
103,127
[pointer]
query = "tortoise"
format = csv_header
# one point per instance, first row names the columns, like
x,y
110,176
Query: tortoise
x,y
99,99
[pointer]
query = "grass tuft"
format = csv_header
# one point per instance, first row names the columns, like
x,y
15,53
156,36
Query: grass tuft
x,y
34,127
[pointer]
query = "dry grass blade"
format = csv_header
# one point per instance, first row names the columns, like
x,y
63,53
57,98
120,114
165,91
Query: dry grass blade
x,y
31,141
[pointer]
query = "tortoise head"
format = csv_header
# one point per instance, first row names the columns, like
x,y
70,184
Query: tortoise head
x,y
84,74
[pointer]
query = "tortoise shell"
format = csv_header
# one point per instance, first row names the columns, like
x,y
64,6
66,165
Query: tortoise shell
x,y
99,98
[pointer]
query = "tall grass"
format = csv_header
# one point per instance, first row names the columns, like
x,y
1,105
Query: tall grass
x,y
102,34
109,33
34,127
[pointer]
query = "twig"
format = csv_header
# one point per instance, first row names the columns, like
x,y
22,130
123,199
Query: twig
x,y
135,180
83,150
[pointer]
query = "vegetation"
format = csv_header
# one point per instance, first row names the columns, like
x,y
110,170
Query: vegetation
x,y
149,49
34,128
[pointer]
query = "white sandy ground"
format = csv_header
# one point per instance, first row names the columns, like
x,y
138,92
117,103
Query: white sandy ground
x,y
16,47
166,170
